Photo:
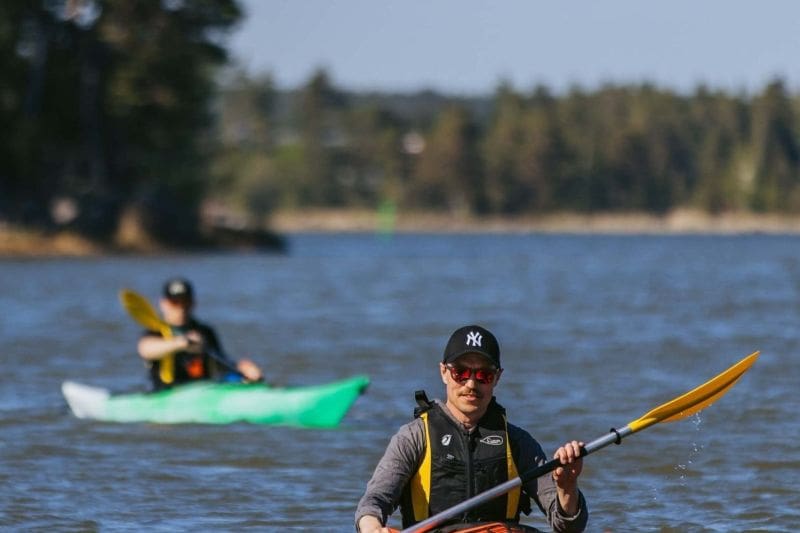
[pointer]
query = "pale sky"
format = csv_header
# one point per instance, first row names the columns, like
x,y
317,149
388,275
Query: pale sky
x,y
469,46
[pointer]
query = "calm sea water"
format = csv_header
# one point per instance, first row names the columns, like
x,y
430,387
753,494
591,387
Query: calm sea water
x,y
594,331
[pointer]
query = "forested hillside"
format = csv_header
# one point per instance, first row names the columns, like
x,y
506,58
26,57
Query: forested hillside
x,y
615,148
116,111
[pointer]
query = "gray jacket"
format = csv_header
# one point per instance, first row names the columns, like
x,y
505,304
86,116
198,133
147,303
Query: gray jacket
x,y
407,449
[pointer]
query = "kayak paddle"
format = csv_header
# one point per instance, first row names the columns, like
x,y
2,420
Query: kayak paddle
x,y
140,309
676,409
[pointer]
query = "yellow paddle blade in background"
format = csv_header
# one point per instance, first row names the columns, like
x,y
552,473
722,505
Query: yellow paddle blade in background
x,y
139,308
696,399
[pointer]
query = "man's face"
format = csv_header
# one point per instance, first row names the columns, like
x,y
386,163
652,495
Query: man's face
x,y
176,311
468,399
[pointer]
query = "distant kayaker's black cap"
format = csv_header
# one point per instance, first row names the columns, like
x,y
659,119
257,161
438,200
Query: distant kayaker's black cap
x,y
178,289
472,339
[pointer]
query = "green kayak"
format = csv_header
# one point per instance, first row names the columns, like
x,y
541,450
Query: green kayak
x,y
220,403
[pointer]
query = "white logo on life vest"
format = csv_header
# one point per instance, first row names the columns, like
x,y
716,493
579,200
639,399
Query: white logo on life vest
x,y
474,338
446,440
493,440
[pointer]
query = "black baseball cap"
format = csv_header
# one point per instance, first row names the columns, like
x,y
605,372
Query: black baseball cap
x,y
178,289
472,339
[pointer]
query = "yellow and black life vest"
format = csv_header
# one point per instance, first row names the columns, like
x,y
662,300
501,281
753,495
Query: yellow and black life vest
x,y
459,464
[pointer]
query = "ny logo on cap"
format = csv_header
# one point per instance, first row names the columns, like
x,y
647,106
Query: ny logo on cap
x,y
474,338
177,287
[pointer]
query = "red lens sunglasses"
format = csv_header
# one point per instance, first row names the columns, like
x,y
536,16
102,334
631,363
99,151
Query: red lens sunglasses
x,y
463,373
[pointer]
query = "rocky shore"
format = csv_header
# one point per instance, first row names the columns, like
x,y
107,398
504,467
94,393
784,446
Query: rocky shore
x,y
15,242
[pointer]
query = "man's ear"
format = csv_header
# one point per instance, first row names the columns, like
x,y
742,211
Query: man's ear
x,y
443,372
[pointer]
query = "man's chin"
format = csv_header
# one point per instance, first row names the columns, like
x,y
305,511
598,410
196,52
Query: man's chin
x,y
470,404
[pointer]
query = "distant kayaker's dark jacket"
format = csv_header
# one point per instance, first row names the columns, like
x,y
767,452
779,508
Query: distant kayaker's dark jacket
x,y
187,366
459,464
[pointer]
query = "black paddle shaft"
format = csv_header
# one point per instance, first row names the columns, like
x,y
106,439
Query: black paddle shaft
x,y
613,437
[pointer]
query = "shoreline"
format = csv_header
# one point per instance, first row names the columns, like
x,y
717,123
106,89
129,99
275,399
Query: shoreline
x,y
676,222
22,243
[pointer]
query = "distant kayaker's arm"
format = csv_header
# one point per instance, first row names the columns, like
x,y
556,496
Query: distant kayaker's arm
x,y
249,370
153,348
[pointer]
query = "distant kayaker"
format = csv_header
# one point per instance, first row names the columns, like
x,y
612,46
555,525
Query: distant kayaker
x,y
459,448
191,350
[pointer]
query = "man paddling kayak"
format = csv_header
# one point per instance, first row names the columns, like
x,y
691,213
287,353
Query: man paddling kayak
x,y
456,449
189,350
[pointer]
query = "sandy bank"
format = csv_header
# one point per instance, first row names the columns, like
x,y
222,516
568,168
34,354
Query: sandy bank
x,y
677,222
16,242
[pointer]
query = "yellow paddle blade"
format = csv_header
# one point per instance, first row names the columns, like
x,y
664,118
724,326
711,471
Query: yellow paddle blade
x,y
139,308
696,399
